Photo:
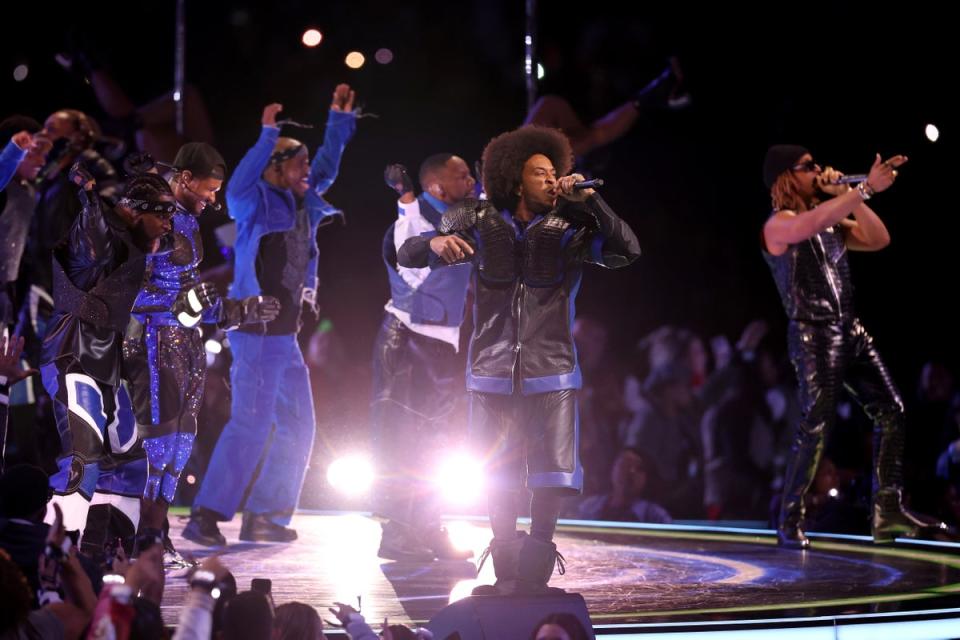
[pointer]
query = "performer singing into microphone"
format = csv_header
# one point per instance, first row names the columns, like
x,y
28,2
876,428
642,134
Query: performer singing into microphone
x,y
528,244
805,242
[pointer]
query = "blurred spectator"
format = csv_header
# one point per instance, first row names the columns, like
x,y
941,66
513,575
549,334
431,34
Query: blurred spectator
x,y
297,621
601,403
626,501
248,616
559,626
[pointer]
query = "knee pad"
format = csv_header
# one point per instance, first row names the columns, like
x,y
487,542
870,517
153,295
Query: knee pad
x,y
86,419
76,475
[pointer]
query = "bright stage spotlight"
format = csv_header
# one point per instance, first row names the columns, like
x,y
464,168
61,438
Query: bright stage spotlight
x,y
311,38
459,479
351,475
355,60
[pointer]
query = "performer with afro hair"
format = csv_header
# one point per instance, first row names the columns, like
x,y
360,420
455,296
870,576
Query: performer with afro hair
x,y
528,244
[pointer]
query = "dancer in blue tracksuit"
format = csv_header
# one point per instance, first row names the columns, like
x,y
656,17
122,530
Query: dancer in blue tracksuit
x,y
275,195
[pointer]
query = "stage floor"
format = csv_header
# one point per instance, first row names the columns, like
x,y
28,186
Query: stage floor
x,y
636,579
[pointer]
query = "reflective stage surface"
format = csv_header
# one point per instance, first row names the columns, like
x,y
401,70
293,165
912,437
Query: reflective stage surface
x,y
636,579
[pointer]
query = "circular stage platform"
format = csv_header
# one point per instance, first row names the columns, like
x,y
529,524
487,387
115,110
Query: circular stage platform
x,y
645,581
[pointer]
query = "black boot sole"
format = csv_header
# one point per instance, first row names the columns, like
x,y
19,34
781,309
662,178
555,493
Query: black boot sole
x,y
202,539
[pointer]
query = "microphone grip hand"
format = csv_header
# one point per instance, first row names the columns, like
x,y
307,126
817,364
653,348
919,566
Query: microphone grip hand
x,y
397,178
829,182
567,188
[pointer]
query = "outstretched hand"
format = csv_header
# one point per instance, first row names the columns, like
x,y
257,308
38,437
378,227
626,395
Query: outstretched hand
x,y
269,118
23,139
882,174
343,97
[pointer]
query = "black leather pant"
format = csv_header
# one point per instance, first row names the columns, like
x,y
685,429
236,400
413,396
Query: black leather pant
x,y
828,357
527,440
416,386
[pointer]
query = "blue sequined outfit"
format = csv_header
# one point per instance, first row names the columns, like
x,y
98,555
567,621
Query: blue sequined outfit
x,y
165,361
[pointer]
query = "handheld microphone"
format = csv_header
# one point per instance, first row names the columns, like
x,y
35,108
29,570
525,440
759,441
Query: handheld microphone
x,y
588,184
857,177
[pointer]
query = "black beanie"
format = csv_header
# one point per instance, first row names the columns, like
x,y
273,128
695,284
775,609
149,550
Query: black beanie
x,y
202,160
780,158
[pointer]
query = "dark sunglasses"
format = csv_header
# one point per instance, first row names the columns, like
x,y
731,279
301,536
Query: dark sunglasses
x,y
809,165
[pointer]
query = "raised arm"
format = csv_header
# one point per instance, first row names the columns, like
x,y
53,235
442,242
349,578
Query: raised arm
x,y
241,188
341,125
12,155
786,227
616,245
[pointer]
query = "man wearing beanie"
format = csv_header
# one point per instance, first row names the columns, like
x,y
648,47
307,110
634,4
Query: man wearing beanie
x,y
805,241
163,350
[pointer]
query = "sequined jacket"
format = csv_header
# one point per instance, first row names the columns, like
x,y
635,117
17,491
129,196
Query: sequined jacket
x,y
172,270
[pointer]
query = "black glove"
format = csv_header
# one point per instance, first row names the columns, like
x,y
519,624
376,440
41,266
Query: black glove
x,y
99,166
259,309
81,176
189,306
138,162
251,310
397,178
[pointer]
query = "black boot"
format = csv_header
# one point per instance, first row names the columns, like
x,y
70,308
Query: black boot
x,y
506,562
202,529
106,526
258,527
438,541
96,532
537,559
890,518
398,542
893,520
800,472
